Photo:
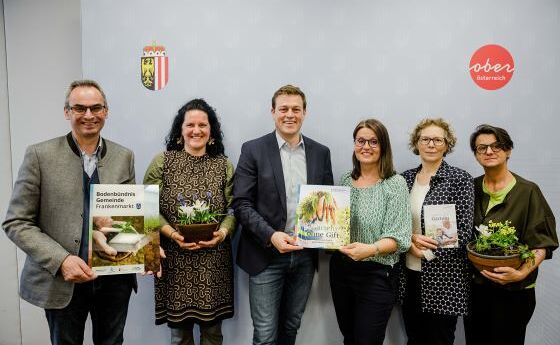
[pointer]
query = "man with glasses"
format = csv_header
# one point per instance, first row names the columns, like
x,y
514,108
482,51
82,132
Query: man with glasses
x,y
268,174
48,219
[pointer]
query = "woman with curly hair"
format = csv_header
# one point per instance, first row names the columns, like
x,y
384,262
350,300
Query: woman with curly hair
x,y
434,280
197,281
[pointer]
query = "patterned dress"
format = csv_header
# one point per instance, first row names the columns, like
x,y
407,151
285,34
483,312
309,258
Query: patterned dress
x,y
196,286
445,281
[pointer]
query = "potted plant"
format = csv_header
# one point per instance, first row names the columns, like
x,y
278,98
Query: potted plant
x,y
197,222
498,246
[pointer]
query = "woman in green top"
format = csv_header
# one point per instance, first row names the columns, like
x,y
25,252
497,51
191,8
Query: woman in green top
x,y
197,281
380,229
503,301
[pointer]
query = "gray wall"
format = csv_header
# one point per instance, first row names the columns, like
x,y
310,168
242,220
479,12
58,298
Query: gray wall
x,y
43,46
9,302
395,60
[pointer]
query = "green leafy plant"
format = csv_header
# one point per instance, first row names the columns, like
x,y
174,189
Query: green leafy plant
x,y
126,228
198,213
499,238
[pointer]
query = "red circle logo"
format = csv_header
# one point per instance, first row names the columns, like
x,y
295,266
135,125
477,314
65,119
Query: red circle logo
x,y
491,67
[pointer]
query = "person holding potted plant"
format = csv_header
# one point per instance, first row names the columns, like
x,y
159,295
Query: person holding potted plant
x,y
434,275
196,183
360,272
503,300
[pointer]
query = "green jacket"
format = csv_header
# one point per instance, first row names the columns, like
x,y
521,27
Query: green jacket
x,y
530,214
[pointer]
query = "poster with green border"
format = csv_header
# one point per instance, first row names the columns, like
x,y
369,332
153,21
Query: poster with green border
x,y
123,228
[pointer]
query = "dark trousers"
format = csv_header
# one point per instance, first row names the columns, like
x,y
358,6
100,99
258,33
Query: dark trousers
x,y
424,328
106,299
363,299
499,316
210,334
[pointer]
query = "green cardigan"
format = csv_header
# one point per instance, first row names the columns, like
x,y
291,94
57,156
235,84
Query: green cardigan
x,y
380,211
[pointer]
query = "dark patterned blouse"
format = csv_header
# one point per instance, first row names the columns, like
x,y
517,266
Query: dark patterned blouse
x,y
196,286
445,280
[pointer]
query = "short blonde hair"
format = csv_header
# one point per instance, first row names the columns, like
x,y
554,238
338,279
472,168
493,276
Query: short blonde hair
x,y
450,138
289,90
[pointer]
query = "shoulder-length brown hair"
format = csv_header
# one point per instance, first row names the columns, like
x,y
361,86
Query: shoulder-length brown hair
x,y
386,168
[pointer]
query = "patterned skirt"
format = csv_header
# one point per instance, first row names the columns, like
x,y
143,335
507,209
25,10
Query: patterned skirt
x,y
196,286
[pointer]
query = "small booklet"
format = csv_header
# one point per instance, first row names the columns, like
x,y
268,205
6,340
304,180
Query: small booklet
x,y
440,223
124,228
323,216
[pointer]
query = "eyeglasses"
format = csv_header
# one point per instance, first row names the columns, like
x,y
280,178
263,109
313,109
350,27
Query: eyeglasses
x,y
79,109
438,141
361,142
483,148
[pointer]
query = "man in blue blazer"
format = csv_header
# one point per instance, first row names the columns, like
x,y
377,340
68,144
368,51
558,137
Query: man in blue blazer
x,y
267,179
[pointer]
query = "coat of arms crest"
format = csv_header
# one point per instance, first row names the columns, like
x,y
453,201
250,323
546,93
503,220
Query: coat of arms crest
x,y
154,65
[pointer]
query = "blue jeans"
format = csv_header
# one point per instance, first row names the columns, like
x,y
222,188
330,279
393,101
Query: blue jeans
x,y
278,296
106,299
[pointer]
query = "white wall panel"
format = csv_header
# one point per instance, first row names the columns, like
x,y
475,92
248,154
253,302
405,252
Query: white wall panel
x,y
43,45
395,60
9,302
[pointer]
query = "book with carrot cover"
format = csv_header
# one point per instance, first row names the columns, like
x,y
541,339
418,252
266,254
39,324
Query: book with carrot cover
x,y
123,228
323,216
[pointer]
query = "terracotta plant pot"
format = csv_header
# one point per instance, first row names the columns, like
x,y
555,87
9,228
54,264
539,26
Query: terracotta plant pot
x,y
489,262
197,232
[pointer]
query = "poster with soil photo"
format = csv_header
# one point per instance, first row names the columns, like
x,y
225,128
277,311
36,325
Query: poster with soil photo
x,y
124,228
323,216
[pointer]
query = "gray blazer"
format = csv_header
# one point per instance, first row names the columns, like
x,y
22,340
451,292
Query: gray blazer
x,y
44,217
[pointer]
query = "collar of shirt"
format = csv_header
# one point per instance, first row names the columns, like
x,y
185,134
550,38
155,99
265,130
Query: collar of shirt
x,y
97,151
89,161
282,142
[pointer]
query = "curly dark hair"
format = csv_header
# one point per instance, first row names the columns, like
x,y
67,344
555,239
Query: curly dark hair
x,y
171,140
